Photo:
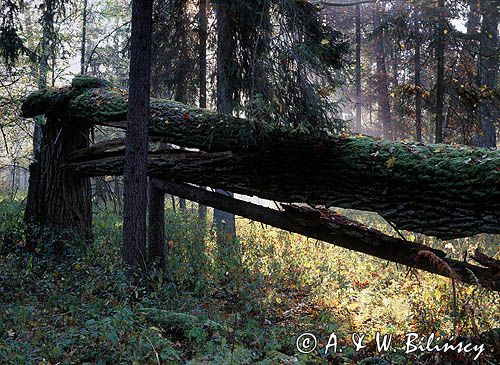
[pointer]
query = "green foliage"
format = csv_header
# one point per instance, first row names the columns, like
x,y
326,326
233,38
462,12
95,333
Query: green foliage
x,y
80,307
11,44
11,222
291,66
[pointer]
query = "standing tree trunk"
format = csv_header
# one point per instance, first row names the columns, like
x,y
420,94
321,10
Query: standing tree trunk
x,y
59,198
439,48
202,60
488,72
181,96
136,150
384,106
358,69
398,110
84,38
470,61
157,249
43,70
418,82
45,45
226,75
56,198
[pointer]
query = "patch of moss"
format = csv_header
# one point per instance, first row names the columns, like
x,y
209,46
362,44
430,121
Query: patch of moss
x,y
89,82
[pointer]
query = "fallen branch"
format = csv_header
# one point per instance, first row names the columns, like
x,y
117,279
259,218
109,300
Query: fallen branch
x,y
325,225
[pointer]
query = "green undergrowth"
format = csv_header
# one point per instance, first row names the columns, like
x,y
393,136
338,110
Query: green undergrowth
x,y
64,301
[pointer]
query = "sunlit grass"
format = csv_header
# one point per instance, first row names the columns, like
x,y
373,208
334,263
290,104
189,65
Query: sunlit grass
x,y
80,307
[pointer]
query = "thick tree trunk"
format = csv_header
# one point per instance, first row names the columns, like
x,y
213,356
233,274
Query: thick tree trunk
x,y
59,198
135,169
434,189
157,248
330,227
470,63
426,190
43,69
181,96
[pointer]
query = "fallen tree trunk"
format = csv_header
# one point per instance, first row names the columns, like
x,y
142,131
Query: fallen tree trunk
x,y
330,227
437,190
267,174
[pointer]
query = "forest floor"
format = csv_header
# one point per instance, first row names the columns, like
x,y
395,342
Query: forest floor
x,y
66,302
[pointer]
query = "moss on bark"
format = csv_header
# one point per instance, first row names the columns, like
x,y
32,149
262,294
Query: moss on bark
x,y
447,191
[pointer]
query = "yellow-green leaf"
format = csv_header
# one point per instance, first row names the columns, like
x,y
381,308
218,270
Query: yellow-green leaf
x,y
390,162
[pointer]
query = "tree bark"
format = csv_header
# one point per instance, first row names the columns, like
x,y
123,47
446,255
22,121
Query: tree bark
x,y
202,64
434,189
418,81
226,100
84,38
422,192
358,69
135,169
47,23
384,106
330,227
488,72
157,249
439,49
60,198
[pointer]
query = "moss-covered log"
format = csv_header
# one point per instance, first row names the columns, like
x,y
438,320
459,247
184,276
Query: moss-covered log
x,y
433,189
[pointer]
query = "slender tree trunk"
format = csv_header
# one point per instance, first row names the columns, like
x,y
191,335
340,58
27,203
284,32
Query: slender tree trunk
x,y
488,72
181,95
202,60
358,69
470,60
398,118
43,65
439,49
136,152
84,38
384,106
226,76
418,83
117,195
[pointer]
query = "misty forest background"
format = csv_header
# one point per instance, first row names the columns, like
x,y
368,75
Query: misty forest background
x,y
402,70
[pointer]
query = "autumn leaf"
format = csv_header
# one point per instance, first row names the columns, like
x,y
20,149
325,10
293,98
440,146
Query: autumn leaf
x,y
390,162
